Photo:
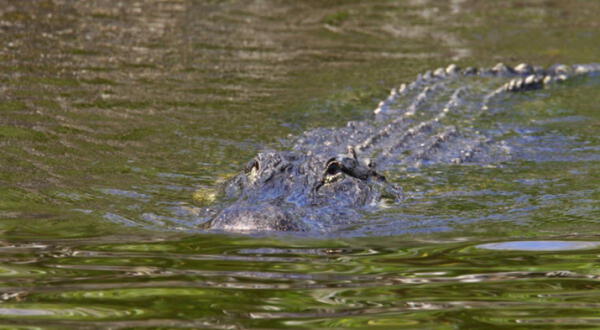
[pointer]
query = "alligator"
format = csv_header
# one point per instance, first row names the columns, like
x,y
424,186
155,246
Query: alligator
x,y
330,176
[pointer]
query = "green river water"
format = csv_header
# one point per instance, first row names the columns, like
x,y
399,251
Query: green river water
x,y
118,118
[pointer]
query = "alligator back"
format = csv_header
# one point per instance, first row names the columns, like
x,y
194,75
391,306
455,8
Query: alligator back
x,y
444,116
332,175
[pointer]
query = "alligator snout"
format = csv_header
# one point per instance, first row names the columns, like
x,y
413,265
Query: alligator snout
x,y
260,217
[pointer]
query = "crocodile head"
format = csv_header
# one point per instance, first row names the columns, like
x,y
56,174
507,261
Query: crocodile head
x,y
291,191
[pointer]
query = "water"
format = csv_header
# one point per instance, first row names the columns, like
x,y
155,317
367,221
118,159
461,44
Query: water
x,y
114,116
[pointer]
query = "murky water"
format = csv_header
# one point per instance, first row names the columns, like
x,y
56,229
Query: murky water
x,y
114,115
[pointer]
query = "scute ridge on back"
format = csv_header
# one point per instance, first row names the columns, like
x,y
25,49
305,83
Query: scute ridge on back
x,y
332,175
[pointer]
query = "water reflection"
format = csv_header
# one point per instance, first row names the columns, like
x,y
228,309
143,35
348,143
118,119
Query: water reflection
x,y
267,281
540,245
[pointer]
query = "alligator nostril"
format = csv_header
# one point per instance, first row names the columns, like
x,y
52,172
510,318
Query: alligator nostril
x,y
370,163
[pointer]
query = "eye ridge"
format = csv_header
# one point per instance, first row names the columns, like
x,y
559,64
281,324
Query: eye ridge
x,y
251,165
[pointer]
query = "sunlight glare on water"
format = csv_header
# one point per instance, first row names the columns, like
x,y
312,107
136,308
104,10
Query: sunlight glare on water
x,y
540,245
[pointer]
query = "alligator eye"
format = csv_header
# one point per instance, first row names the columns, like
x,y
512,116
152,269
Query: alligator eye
x,y
333,173
333,168
252,165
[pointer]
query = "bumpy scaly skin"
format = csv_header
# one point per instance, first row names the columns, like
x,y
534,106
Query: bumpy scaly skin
x,y
334,174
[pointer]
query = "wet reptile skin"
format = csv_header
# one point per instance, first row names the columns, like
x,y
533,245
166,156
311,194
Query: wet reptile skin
x,y
332,175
